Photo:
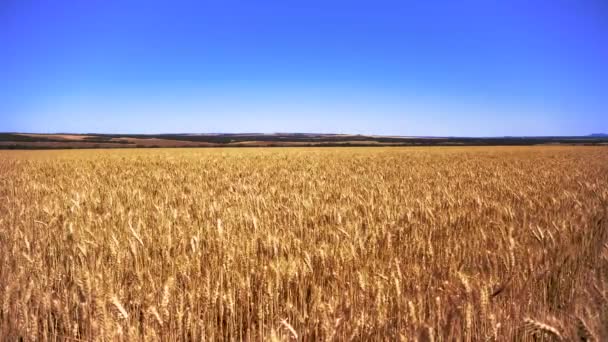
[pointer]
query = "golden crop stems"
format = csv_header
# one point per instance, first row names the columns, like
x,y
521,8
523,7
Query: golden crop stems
x,y
471,243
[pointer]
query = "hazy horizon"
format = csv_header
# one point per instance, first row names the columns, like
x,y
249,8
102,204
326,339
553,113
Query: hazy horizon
x,y
467,69
301,133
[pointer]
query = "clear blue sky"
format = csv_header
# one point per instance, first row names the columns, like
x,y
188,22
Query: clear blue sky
x,y
461,68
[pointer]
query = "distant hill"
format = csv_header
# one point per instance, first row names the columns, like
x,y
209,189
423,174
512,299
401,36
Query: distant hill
x,y
95,140
598,135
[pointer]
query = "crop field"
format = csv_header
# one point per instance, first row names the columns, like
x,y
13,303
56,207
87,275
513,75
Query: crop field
x,y
308,244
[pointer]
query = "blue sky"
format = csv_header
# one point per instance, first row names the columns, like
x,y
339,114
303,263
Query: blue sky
x,y
459,68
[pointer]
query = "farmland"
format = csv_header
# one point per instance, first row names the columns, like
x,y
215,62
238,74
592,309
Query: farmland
x,y
369,243
25,141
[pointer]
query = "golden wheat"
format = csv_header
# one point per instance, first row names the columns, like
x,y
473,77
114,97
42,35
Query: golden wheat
x,y
303,243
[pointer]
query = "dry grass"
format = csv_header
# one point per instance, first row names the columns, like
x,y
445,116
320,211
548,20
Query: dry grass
x,y
432,244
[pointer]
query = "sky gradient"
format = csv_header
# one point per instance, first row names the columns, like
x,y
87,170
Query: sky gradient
x,y
441,68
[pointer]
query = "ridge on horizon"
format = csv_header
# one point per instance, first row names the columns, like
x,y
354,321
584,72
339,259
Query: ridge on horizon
x,y
308,134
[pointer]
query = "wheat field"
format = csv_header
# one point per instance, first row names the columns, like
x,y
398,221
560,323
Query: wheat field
x,y
308,244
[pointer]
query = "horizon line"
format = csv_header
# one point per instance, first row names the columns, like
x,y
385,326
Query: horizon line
x,y
598,134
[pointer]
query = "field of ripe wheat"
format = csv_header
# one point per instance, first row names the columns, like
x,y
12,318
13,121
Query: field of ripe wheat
x,y
433,244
